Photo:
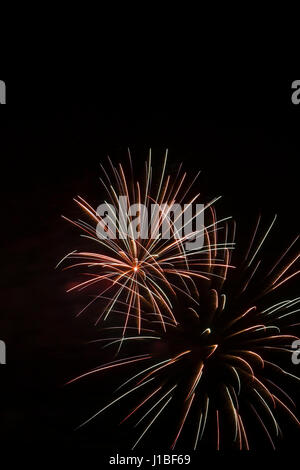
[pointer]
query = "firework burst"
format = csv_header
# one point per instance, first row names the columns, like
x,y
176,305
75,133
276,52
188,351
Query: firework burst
x,y
130,274
223,364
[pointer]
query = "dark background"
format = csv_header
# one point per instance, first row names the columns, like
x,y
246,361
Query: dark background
x,y
248,153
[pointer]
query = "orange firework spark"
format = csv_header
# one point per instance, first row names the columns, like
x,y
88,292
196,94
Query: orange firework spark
x,y
146,274
224,360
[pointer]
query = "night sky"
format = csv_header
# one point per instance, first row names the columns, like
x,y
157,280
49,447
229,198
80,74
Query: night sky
x,y
49,159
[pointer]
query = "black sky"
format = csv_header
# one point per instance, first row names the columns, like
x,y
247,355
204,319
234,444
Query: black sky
x,y
48,159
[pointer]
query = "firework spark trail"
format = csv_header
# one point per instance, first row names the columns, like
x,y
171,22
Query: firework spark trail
x,y
149,425
183,421
220,355
150,272
218,430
